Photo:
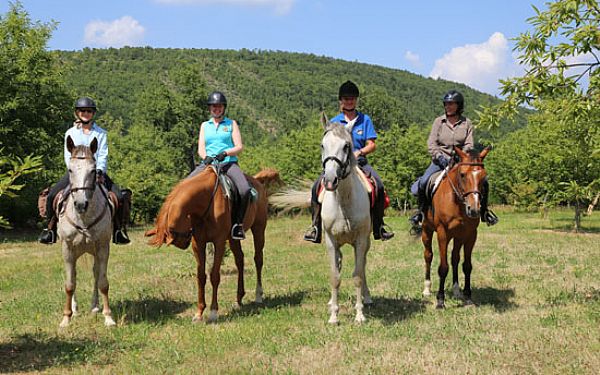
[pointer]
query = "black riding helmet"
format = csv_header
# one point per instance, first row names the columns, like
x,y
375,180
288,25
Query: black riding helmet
x,y
85,102
457,97
217,97
348,89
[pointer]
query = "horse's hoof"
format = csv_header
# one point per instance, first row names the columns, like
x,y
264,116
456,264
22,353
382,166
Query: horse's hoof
x,y
65,322
258,299
469,303
212,317
333,321
236,306
440,305
360,319
426,293
109,322
95,310
197,319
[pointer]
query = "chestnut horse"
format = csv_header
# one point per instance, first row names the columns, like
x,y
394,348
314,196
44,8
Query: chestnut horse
x,y
197,211
454,214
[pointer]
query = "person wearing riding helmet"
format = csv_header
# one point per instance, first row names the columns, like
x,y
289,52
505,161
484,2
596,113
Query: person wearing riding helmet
x,y
363,143
83,131
451,129
220,141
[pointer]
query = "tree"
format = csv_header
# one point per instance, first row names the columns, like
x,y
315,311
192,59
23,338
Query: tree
x,y
566,37
10,171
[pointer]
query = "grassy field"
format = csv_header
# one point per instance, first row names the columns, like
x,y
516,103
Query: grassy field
x,y
536,286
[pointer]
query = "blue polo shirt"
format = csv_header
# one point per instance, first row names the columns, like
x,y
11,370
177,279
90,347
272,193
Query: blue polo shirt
x,y
218,138
362,131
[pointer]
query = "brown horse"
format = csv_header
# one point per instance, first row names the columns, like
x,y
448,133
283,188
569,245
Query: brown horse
x,y
455,215
197,211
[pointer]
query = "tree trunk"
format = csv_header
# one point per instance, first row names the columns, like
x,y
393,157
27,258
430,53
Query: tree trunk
x,y
593,204
577,217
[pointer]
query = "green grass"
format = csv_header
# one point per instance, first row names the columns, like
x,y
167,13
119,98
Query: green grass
x,y
536,286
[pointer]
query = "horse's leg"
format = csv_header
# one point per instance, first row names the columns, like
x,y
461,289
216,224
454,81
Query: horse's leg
x,y
335,262
468,267
94,305
215,280
427,238
367,300
359,276
443,268
455,261
101,258
199,249
259,245
70,283
236,249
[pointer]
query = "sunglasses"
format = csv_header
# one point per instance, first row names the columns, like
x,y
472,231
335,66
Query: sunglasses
x,y
84,110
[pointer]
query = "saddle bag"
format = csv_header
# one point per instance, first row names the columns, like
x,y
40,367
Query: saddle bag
x,y
42,201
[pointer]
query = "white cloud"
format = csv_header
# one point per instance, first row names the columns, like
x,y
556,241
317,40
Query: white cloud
x,y
125,31
477,65
413,58
282,7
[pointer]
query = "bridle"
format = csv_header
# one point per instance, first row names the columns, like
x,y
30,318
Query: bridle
x,y
93,186
344,166
459,191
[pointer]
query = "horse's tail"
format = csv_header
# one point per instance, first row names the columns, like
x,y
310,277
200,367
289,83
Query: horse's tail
x,y
159,232
291,198
270,179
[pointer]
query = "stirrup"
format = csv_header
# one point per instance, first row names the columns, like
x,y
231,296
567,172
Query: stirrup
x,y
47,237
490,218
312,234
237,232
120,237
417,218
385,235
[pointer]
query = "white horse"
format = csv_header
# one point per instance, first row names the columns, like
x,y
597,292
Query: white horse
x,y
84,226
345,214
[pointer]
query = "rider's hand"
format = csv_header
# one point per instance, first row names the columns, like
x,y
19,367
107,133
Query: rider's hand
x,y
442,161
208,160
221,156
100,176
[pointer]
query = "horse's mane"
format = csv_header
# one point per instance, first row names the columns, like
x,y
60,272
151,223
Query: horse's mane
x,y
161,226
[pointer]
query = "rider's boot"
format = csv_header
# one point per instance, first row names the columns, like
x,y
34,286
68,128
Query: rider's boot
x,y
313,234
237,231
49,235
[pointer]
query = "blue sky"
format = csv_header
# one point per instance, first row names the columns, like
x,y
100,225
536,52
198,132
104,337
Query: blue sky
x,y
467,41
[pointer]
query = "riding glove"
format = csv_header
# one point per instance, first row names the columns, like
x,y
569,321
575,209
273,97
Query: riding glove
x,y
221,156
442,161
208,160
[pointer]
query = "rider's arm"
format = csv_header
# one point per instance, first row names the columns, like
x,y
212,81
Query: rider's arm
x,y
201,143
237,140
468,146
432,142
102,153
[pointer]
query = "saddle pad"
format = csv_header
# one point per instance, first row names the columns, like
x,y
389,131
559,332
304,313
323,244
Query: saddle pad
x,y
434,182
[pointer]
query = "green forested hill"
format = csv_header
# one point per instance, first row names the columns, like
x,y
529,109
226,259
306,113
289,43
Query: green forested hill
x,y
270,92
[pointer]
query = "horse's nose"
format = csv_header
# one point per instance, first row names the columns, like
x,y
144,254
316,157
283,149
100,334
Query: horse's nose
x,y
81,207
331,184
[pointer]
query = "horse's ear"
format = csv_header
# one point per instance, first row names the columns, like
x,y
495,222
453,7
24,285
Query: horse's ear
x,y
94,145
460,152
324,120
485,151
70,144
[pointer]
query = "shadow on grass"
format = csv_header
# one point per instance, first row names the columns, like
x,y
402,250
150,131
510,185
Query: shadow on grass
x,y
393,310
251,309
36,353
149,310
19,235
500,299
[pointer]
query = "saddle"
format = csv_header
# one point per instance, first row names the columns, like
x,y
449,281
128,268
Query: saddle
x,y
433,183
61,197
369,184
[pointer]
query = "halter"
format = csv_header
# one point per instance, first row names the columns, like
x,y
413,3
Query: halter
x,y
344,166
461,195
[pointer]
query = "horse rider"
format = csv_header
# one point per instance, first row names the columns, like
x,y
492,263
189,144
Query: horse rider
x,y
451,129
83,131
363,143
220,141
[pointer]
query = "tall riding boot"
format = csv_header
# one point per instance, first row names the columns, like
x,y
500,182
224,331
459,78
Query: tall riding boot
x,y
417,219
379,231
313,234
49,235
237,231
487,215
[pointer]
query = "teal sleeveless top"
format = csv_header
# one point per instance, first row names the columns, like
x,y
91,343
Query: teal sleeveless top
x,y
219,138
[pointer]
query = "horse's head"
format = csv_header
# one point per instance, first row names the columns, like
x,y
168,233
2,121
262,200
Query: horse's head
x,y
336,153
82,173
470,174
